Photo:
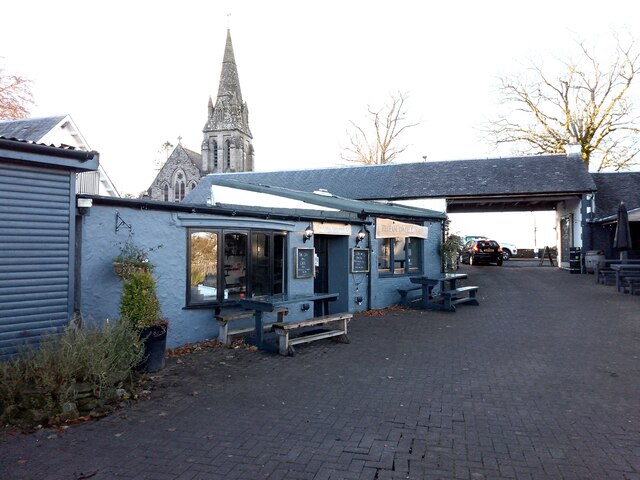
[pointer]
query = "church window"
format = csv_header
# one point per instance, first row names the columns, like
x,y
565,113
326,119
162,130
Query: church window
x,y
165,192
214,149
179,188
227,153
192,185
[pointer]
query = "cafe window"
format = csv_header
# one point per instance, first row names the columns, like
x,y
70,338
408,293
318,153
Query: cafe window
x,y
228,265
400,256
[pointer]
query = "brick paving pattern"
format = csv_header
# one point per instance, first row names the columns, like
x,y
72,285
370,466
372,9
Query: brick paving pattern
x,y
541,381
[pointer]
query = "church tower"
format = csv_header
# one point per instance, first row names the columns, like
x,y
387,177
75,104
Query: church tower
x,y
227,146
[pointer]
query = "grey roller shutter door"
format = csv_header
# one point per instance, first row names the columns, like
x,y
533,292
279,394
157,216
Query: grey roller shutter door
x,y
36,254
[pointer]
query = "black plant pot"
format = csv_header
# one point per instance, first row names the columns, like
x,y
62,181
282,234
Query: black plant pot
x,y
154,339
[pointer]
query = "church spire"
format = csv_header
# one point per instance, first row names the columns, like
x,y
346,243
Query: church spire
x,y
229,82
227,146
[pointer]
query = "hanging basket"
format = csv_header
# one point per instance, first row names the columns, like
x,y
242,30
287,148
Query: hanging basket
x,y
124,270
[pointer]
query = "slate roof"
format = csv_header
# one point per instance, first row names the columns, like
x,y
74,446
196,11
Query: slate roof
x,y
364,208
552,174
613,188
29,129
195,157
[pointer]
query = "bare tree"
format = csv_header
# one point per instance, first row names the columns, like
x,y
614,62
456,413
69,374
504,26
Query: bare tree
x,y
377,143
165,149
15,96
588,103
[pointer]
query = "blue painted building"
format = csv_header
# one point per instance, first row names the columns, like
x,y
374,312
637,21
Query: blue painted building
x,y
208,256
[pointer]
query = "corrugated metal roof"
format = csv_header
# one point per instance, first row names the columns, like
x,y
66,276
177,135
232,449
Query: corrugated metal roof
x,y
323,199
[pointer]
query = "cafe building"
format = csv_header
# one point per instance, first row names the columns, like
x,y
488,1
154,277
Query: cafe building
x,y
230,241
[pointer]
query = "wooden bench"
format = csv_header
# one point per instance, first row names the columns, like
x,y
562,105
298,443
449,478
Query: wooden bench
x,y
338,322
404,292
631,283
453,298
224,320
606,276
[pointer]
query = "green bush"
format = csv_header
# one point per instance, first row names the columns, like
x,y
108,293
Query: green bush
x,y
450,250
68,374
139,304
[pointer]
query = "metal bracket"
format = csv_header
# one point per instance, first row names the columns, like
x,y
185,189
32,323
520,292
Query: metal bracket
x,y
121,223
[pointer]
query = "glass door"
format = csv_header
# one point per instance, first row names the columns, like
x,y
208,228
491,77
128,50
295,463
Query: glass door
x,y
235,265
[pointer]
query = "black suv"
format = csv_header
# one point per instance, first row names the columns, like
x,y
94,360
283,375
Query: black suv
x,y
481,250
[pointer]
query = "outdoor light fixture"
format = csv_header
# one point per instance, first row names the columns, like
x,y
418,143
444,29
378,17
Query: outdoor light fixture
x,y
308,233
360,236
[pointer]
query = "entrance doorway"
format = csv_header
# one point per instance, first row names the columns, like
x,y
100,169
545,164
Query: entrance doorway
x,y
566,237
332,272
321,280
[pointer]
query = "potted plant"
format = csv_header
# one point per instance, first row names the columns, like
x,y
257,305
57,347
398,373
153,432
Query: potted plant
x,y
139,304
450,252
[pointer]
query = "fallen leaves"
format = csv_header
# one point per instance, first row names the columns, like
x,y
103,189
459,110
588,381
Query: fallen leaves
x,y
208,344
382,311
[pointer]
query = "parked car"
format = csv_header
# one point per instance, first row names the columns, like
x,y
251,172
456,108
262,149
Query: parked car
x,y
508,250
481,251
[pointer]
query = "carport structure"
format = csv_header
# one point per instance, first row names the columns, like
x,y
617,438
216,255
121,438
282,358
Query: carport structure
x,y
533,183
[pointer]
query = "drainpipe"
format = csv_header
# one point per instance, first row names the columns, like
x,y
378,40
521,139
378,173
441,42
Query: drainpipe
x,y
369,286
442,240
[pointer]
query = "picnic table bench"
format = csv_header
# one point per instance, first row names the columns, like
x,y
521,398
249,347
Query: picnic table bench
x,y
225,320
624,271
606,274
270,303
456,296
285,330
448,295
404,294
631,284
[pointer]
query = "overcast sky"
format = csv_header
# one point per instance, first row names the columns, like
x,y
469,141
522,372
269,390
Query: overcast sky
x,y
136,74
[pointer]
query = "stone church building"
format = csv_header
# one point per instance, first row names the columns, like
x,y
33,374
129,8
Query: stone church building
x,y
226,146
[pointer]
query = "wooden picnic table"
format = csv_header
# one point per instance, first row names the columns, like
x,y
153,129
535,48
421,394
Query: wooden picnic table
x,y
270,303
603,268
624,269
446,281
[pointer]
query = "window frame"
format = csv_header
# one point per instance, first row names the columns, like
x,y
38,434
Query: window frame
x,y
221,234
391,272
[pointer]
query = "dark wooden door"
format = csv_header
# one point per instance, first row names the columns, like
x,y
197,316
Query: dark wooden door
x,y
321,280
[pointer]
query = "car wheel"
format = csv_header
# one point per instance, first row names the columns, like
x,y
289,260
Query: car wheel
x,y
499,262
506,254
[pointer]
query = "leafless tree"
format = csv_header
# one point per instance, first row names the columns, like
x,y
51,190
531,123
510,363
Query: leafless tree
x,y
377,143
15,95
589,103
165,149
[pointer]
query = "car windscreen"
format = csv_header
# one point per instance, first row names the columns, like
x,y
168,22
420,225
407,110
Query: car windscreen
x,y
488,244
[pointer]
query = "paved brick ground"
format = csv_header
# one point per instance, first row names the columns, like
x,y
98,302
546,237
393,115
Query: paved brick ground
x,y
542,380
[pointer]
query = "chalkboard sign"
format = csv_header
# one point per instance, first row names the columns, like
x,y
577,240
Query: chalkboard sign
x,y
304,261
360,260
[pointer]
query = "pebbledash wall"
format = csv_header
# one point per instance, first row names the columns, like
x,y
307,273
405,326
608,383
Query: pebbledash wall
x,y
109,223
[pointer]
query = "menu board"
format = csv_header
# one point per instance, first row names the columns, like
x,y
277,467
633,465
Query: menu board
x,y
304,262
360,260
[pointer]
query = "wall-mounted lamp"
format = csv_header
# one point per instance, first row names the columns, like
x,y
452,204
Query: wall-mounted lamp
x,y
304,307
308,233
360,235
84,204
